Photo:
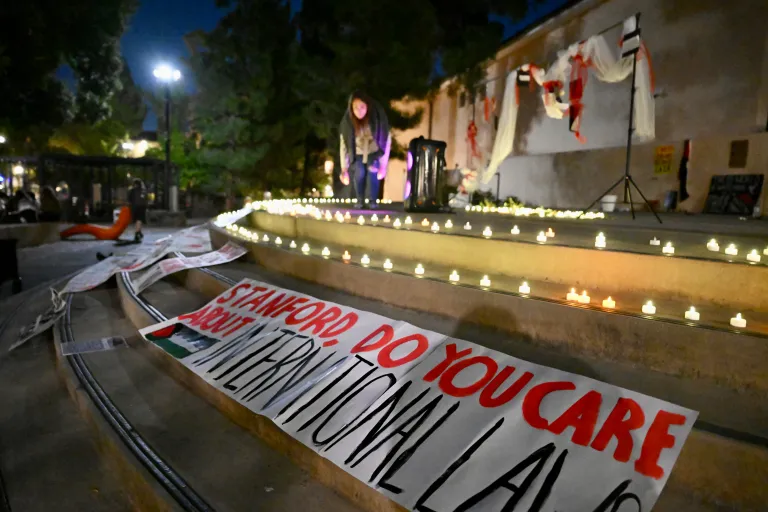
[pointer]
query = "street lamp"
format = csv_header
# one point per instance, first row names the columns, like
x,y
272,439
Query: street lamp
x,y
167,75
2,139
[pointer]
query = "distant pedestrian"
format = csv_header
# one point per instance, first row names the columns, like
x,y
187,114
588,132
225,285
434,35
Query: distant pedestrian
x,y
137,197
365,143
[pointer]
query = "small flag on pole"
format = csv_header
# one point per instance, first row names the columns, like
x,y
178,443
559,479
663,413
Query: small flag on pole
x,y
630,37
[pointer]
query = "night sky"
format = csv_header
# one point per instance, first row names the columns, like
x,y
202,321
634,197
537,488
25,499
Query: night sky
x,y
156,30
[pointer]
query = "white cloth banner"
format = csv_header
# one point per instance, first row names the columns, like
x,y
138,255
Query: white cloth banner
x,y
43,321
99,273
229,252
505,136
434,423
194,239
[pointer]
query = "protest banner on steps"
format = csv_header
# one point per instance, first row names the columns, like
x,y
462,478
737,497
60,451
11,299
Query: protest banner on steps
x,y
161,269
432,422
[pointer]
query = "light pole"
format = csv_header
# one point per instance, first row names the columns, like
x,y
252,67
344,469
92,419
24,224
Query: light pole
x,y
167,75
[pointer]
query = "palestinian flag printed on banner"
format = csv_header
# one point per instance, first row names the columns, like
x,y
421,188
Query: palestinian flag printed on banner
x,y
179,340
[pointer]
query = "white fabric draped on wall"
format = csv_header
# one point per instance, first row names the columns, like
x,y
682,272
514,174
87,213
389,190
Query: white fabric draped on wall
x,y
606,65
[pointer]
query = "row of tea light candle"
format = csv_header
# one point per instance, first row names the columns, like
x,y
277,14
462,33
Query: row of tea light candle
x,y
524,289
600,240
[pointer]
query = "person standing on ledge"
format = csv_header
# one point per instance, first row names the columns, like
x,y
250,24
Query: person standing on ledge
x,y
137,198
365,142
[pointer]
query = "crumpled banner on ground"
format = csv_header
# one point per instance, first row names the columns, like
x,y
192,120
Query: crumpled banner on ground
x,y
230,252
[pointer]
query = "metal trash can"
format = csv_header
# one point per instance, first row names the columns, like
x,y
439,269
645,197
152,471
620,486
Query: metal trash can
x,y
9,269
426,176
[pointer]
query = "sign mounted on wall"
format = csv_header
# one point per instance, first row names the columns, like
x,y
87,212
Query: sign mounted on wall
x,y
432,422
662,160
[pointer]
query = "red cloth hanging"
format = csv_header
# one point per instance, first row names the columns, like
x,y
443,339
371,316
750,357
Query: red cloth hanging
x,y
489,106
579,74
472,138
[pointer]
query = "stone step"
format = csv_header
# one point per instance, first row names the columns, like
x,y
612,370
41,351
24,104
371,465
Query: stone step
x,y
713,470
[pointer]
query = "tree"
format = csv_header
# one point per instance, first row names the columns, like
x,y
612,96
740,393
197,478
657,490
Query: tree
x,y
102,138
393,50
37,37
105,136
127,104
247,109
272,90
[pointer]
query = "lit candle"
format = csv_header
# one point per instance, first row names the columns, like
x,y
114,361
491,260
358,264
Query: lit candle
x,y
738,321
655,241
454,277
425,223
713,246
408,221
487,233
397,223
387,264
346,256
584,298
419,270
265,238
360,220
542,237
668,249
326,252
550,233
515,230
278,241
448,224
467,226
753,256
572,295
305,248
609,303
347,216
435,227
340,218
365,260
649,308
524,288
386,219
600,241
292,244
485,282
692,314
731,250
374,217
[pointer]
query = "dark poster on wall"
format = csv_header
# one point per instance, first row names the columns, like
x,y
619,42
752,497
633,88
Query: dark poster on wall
x,y
734,194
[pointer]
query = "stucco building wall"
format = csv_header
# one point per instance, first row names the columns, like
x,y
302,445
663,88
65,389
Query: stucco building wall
x,y
710,61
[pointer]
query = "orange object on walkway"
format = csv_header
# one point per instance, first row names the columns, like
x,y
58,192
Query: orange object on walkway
x,y
111,233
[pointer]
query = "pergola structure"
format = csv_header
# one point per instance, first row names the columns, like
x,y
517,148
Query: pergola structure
x,y
98,183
